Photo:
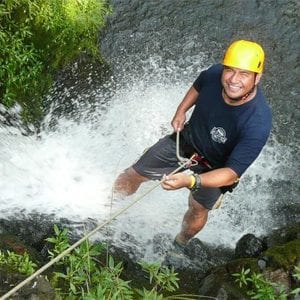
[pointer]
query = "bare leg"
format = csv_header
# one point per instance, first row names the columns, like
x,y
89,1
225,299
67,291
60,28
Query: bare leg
x,y
193,221
128,182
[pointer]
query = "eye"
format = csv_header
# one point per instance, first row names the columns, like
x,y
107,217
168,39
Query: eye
x,y
244,74
228,70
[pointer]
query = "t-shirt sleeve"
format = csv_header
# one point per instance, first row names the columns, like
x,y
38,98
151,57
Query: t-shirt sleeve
x,y
198,83
247,149
207,77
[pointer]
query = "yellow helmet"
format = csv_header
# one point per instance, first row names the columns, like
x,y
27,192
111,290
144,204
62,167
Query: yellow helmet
x,y
245,55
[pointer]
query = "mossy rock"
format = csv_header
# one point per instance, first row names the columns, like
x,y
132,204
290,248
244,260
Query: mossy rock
x,y
221,285
237,265
283,235
283,256
14,244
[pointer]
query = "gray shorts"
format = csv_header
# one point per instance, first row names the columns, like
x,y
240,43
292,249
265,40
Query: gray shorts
x,y
160,159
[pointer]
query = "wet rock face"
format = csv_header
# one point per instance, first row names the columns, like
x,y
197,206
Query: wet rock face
x,y
161,243
283,235
32,229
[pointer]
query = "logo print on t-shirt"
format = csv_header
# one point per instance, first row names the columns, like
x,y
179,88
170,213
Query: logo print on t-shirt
x,y
218,134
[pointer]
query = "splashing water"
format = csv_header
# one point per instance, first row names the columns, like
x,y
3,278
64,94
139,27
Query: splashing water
x,y
69,171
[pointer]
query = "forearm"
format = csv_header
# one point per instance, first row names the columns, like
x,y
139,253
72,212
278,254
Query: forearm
x,y
188,101
215,178
218,177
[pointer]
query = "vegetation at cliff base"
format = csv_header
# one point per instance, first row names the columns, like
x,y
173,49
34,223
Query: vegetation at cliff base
x,y
83,275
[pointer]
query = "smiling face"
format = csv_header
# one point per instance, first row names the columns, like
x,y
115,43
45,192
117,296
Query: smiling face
x,y
237,83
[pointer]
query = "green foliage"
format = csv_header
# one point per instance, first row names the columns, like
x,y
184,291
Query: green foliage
x,y
162,278
109,283
80,267
39,36
82,275
260,288
17,263
60,242
297,277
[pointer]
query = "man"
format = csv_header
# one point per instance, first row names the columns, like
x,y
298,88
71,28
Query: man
x,y
228,128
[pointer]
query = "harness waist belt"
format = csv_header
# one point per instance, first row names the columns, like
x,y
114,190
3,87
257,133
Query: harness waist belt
x,y
201,159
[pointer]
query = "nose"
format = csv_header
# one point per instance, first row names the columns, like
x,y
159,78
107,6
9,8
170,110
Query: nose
x,y
234,77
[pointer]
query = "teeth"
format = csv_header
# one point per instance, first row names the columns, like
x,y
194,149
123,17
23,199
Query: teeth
x,y
234,88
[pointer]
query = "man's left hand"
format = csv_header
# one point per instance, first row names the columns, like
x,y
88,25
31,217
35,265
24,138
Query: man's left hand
x,y
176,181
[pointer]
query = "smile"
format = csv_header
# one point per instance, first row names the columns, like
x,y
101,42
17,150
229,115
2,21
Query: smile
x,y
233,88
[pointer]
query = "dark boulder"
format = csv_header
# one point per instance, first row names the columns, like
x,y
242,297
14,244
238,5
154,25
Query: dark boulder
x,y
220,284
249,246
198,250
38,289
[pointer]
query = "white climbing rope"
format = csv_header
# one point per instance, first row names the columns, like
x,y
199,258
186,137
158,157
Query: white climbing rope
x,y
184,162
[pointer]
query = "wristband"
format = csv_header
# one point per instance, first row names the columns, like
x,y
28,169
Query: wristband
x,y
197,184
193,181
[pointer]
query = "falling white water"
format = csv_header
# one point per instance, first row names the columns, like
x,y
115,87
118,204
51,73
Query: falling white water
x,y
69,171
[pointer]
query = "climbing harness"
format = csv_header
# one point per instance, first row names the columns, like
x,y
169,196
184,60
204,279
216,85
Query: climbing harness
x,y
195,158
184,163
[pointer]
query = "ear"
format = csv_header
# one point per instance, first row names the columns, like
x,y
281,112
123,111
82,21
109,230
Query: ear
x,y
257,78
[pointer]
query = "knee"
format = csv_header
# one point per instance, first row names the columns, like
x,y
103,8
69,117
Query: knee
x,y
123,179
131,175
128,182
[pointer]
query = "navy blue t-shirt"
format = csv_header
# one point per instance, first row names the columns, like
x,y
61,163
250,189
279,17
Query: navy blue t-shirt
x,y
226,135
